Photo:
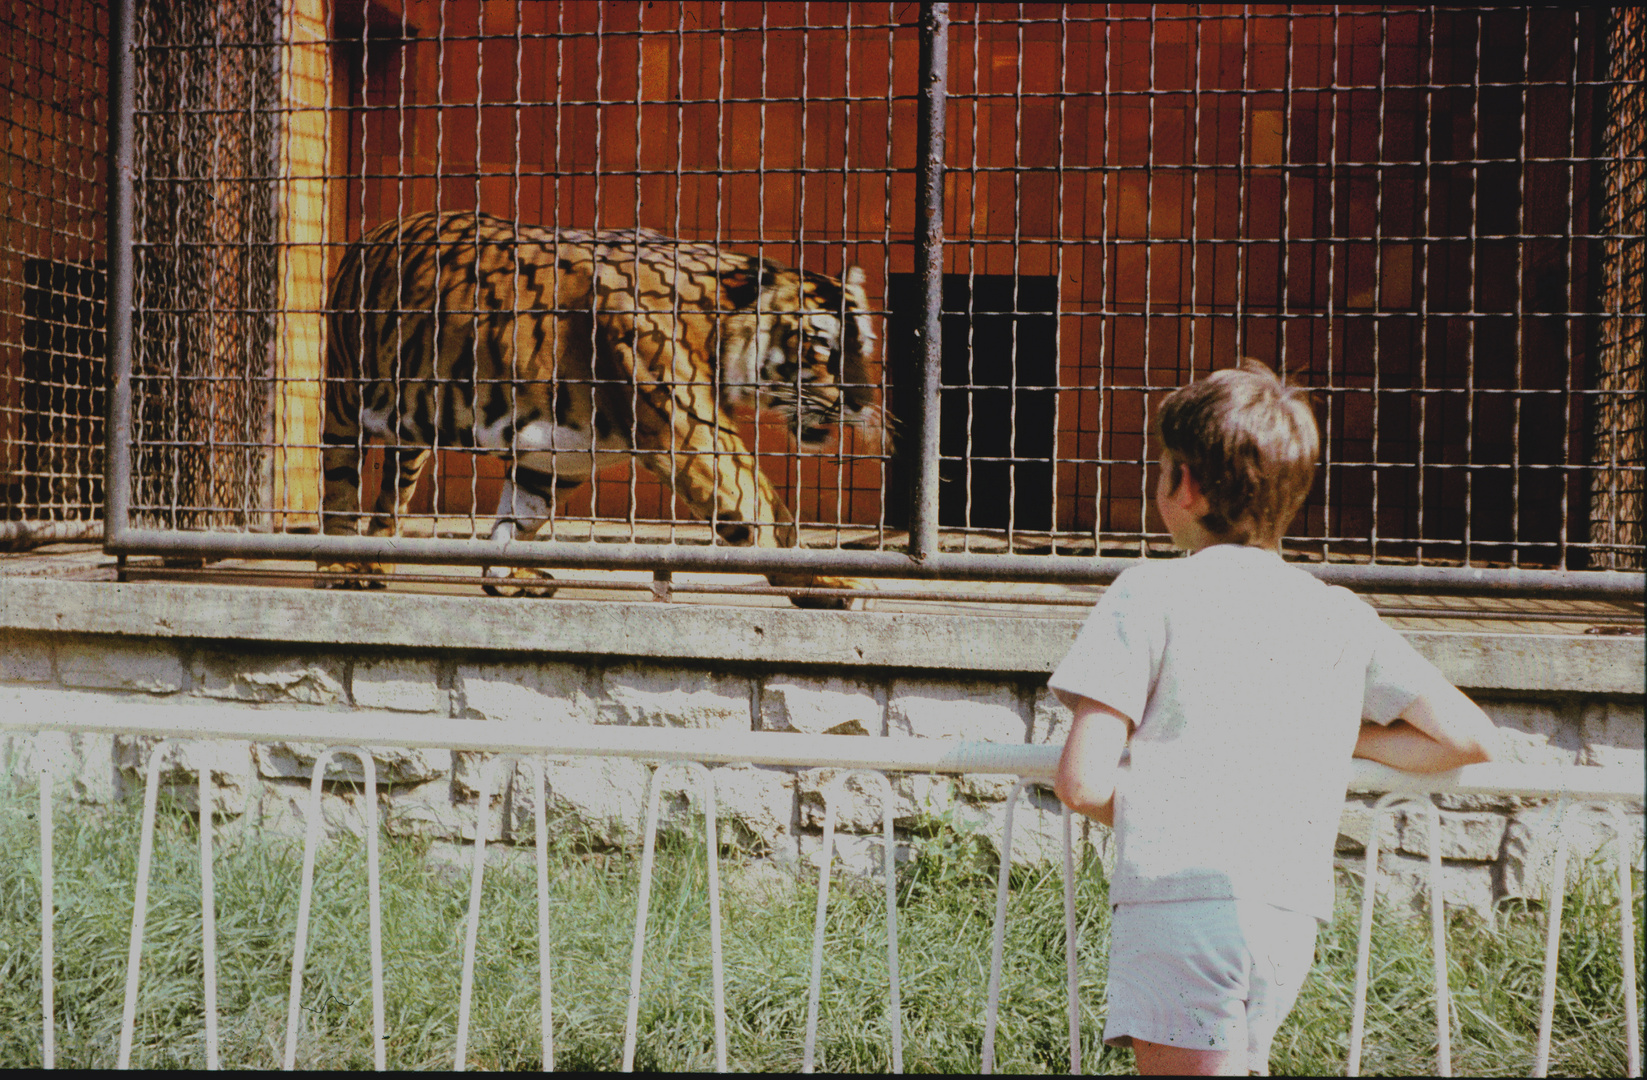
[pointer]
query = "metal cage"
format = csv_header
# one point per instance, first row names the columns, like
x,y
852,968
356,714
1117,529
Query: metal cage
x,y
1431,217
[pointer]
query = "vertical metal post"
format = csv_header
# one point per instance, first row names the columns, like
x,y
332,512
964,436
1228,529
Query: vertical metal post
x,y
1627,943
48,920
140,900
929,271
1072,962
889,873
208,913
1553,900
992,1001
123,93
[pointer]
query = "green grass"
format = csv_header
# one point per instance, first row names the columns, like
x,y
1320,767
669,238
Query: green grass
x,y
946,898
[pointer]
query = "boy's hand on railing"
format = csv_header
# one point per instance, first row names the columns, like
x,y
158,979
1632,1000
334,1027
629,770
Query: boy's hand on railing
x,y
1400,745
1438,731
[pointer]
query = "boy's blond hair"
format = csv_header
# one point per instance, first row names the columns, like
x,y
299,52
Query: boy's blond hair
x,y
1250,441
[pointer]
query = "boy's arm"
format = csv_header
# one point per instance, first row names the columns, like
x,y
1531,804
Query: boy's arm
x,y
1092,755
1440,730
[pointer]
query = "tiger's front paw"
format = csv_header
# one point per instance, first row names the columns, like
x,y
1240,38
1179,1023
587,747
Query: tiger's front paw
x,y
502,581
822,603
350,582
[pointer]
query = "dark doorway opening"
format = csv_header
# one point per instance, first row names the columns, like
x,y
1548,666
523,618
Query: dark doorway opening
x,y
997,402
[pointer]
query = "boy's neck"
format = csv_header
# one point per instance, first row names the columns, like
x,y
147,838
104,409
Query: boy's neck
x,y
1205,540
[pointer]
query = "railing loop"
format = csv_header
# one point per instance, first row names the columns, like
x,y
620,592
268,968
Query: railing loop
x,y
1438,940
311,842
488,782
145,853
706,787
889,870
998,934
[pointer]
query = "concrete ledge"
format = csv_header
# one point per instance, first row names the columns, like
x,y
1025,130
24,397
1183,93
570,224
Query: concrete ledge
x,y
705,633
1563,663
602,628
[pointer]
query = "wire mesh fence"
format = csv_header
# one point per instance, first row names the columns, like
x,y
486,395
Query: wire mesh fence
x,y
1616,512
679,296
1398,208
205,297
53,270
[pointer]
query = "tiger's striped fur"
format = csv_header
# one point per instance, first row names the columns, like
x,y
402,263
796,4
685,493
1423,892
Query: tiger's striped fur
x,y
563,351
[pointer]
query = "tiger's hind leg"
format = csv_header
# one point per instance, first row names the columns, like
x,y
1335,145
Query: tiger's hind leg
x,y
525,506
406,465
341,457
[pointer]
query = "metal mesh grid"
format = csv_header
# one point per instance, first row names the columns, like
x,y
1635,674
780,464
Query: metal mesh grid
x,y
1616,512
1422,213
751,129
1397,208
53,270
207,134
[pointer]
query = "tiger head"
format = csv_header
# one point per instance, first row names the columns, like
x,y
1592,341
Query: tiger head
x,y
801,344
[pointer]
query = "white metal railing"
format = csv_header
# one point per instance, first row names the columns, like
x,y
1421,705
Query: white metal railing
x,y
35,710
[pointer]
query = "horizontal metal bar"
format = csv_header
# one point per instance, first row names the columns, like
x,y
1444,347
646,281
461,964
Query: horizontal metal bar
x,y
1484,581
48,532
23,709
32,709
1505,778
234,574
960,565
1618,617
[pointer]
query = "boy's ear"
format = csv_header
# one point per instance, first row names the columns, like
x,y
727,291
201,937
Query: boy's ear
x,y
1188,493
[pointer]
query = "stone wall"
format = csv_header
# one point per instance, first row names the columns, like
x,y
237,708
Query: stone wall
x,y
1565,700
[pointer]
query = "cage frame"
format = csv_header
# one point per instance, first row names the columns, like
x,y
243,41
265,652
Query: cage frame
x,y
924,559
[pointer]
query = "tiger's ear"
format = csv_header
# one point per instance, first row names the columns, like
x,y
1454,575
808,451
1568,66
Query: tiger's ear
x,y
854,275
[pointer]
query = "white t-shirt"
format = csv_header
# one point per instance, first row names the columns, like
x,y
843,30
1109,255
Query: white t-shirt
x,y
1247,680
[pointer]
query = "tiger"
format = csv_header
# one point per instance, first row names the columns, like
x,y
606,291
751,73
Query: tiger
x,y
563,351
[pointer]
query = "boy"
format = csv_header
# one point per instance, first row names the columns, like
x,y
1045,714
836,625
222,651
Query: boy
x,y
1242,686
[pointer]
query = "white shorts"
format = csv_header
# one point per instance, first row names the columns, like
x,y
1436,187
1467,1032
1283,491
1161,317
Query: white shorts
x,y
1206,974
